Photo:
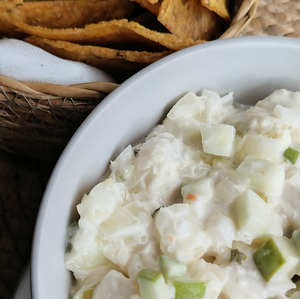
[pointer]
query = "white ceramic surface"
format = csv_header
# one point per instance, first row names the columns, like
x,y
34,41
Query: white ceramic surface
x,y
252,67
23,290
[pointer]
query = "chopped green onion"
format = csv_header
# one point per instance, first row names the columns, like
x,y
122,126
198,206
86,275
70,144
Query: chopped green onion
x,y
238,256
292,155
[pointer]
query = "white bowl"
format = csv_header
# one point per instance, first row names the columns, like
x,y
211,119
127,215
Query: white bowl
x,y
252,67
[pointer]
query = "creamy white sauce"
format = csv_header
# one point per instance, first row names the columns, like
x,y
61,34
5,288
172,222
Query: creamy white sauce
x,y
199,195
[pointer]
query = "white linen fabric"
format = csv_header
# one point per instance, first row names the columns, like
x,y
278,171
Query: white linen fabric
x,y
24,62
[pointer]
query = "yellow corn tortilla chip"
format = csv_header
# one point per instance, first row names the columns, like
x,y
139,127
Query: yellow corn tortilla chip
x,y
12,1
149,20
116,62
67,14
153,8
117,34
7,28
189,19
220,7
152,1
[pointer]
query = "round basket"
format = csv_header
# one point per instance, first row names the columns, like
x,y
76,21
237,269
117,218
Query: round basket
x,y
38,119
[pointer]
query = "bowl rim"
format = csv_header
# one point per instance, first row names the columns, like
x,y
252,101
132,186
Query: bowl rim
x,y
244,41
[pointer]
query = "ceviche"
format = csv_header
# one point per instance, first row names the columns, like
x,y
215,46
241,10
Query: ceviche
x,y
208,206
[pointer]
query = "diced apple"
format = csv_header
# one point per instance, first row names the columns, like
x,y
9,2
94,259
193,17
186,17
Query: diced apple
x,y
265,176
171,268
255,217
277,256
152,285
258,146
217,139
189,288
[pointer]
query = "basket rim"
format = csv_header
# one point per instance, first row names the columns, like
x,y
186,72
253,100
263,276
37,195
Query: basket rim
x,y
32,89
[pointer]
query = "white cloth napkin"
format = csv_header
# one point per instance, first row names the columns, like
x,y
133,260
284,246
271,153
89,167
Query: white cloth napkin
x,y
24,62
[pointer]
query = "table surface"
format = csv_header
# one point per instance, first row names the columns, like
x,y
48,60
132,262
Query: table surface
x,y
23,180
22,183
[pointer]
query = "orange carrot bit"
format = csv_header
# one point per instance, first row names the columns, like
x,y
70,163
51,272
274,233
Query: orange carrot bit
x,y
262,172
191,197
171,239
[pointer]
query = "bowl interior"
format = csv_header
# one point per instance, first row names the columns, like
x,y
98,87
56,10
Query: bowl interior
x,y
252,67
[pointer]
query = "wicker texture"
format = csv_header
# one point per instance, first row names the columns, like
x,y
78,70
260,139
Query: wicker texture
x,y
38,124
277,18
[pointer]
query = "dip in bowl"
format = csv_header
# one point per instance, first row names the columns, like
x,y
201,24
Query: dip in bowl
x,y
252,68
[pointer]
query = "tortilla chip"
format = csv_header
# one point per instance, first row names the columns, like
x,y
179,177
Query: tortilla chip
x,y
150,21
117,34
68,14
90,1
116,62
153,8
189,19
12,1
220,7
7,28
152,1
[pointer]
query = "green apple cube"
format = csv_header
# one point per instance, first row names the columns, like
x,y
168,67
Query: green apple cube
x,y
292,155
268,259
255,217
217,139
189,288
152,285
277,256
264,175
171,268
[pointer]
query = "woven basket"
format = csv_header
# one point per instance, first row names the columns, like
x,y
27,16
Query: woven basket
x,y
38,119
276,18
